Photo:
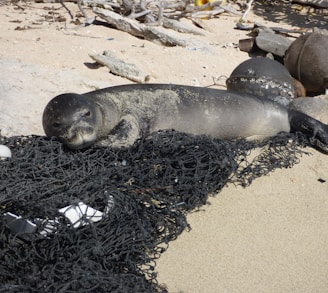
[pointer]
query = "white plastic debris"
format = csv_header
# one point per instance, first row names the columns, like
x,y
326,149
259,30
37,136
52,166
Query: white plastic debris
x,y
18,225
49,226
5,152
81,214
78,215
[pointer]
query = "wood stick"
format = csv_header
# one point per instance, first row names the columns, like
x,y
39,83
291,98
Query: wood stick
x,y
119,67
249,5
207,13
181,27
151,33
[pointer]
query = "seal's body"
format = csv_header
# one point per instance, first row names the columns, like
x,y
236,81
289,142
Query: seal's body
x,y
119,115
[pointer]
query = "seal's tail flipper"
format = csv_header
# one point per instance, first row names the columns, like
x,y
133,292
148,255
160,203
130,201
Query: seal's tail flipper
x,y
314,129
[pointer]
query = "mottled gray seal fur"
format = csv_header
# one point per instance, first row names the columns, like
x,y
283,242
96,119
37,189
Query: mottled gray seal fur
x,y
117,116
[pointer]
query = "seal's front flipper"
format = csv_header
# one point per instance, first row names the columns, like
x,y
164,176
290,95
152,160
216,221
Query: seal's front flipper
x,y
125,133
314,129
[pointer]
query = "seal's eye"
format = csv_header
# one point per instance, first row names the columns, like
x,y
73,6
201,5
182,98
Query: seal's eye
x,y
87,114
56,125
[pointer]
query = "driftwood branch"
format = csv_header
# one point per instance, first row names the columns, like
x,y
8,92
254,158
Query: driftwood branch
x,y
181,27
119,67
152,33
88,20
148,18
155,20
248,8
217,9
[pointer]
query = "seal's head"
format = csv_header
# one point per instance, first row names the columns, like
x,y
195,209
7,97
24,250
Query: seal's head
x,y
74,119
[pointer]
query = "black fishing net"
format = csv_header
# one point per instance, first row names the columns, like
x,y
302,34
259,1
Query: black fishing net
x,y
96,220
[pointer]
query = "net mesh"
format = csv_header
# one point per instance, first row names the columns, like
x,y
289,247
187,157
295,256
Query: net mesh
x,y
144,194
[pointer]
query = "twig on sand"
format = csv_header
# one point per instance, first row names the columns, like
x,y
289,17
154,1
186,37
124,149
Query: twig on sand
x,y
249,6
88,20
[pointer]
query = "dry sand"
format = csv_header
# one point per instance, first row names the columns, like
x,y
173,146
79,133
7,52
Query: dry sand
x,y
269,237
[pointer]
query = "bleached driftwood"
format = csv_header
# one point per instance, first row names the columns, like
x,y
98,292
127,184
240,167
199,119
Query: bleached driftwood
x,y
217,8
181,27
249,6
207,13
151,33
154,20
119,67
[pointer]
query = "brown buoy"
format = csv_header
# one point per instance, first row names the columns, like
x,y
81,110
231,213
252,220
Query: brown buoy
x,y
307,60
263,77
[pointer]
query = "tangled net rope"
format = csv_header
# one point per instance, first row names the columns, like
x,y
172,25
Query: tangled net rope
x,y
141,196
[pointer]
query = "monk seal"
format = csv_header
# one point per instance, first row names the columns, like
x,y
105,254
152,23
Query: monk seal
x,y
117,116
